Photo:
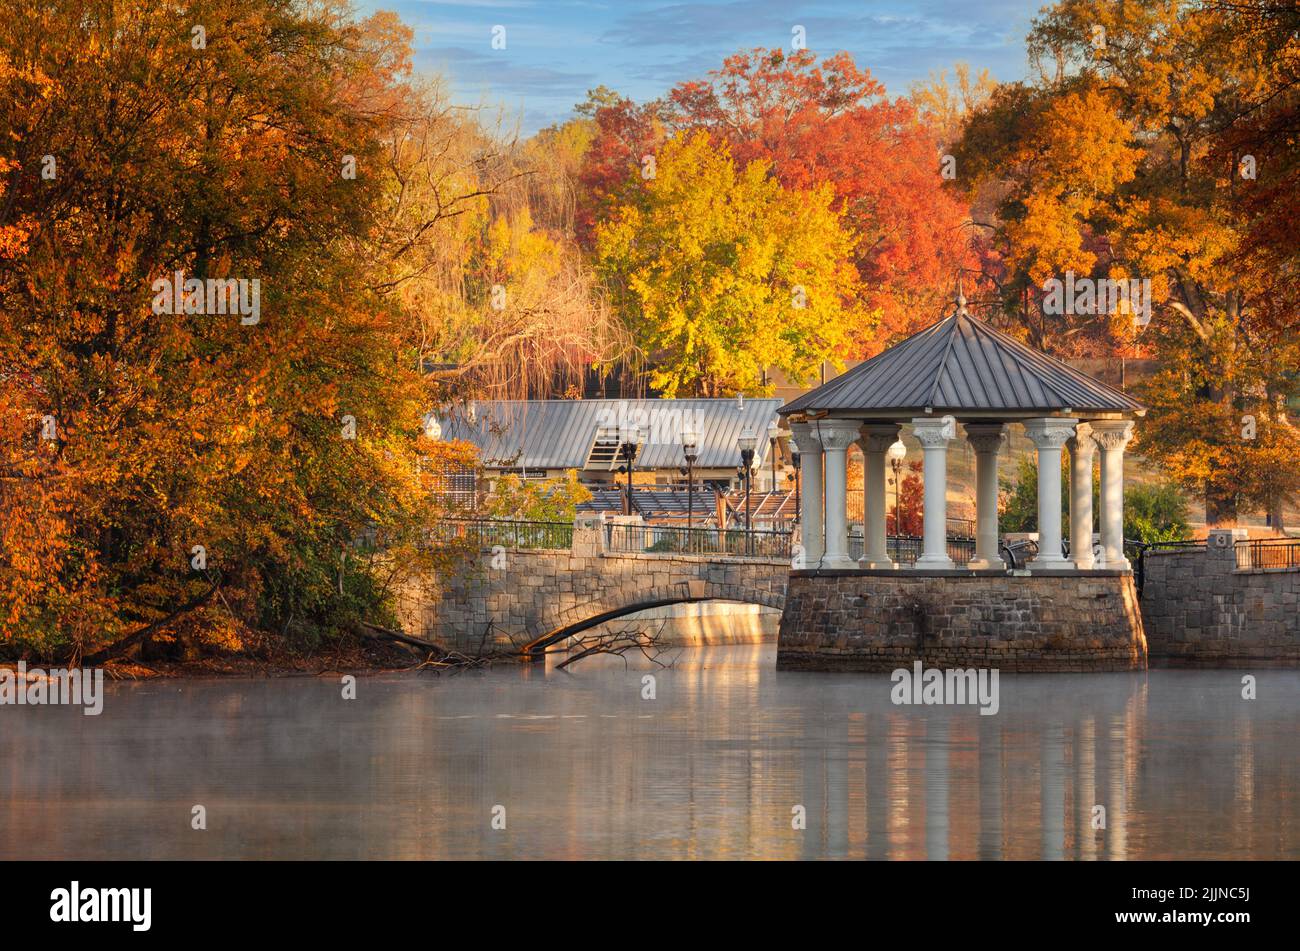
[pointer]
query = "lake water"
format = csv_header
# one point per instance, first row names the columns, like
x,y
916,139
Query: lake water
x,y
714,767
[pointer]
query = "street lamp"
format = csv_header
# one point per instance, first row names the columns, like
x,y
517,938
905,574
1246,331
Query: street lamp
x,y
627,452
773,433
747,442
794,461
896,454
690,449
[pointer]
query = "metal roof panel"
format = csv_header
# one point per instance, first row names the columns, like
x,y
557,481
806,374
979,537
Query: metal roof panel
x,y
963,365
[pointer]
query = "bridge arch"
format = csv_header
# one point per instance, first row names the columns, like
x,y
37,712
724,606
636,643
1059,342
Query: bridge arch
x,y
582,617
533,594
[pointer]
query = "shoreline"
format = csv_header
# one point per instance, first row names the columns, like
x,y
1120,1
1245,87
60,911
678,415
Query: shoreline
x,y
366,661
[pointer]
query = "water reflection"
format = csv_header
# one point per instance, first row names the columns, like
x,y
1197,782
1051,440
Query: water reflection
x,y
712,768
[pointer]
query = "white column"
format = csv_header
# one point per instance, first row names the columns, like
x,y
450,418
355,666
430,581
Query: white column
x,y
934,436
810,492
836,436
1082,449
876,440
1112,436
1050,436
986,439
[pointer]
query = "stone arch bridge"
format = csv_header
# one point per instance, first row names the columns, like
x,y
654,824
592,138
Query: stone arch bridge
x,y
530,589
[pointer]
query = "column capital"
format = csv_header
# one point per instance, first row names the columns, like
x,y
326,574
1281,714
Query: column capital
x,y
1112,433
1052,432
801,438
878,437
933,432
835,434
1081,444
986,437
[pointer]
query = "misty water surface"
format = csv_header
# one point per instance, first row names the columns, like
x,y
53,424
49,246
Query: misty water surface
x,y
711,768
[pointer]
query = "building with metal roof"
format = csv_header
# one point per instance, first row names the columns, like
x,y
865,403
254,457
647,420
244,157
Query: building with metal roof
x,y
962,370
539,438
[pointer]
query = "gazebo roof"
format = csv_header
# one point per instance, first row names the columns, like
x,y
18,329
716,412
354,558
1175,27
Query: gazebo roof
x,y
961,365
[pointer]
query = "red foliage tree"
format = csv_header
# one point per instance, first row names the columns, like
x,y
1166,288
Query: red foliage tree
x,y
817,122
909,512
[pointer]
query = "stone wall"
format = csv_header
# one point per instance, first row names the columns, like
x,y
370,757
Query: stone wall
x,y
521,594
1200,611
1196,610
883,620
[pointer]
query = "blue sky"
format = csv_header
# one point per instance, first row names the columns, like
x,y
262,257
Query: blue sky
x,y
555,50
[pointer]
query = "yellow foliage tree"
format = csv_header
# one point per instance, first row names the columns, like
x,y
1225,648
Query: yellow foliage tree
x,y
720,272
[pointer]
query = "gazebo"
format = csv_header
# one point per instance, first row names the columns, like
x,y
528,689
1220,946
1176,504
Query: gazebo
x,y
962,370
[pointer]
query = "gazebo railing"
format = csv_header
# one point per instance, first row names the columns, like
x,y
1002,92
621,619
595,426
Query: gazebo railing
x,y
906,549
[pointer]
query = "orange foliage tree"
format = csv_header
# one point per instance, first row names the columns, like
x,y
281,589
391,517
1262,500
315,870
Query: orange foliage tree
x,y
1159,143
232,461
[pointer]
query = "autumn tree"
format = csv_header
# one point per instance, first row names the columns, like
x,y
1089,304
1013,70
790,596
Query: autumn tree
x,y
814,122
945,104
228,469
830,121
722,272
624,138
476,245
1117,164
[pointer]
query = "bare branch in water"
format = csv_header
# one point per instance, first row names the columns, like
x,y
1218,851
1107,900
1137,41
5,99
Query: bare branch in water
x,y
620,643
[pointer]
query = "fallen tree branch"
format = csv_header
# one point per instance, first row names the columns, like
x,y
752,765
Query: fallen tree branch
x,y
619,643
443,658
117,648
405,638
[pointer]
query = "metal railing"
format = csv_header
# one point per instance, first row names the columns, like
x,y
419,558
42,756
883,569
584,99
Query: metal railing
x,y
490,532
698,541
1268,553
906,549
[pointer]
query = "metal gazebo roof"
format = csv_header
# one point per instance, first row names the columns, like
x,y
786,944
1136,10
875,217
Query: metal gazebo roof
x,y
961,365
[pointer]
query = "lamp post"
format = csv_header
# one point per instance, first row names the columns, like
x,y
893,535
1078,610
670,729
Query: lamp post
x,y
627,452
746,442
690,449
794,461
773,432
895,454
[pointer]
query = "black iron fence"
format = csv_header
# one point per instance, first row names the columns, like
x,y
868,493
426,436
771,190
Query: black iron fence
x,y
489,533
906,549
1268,553
698,541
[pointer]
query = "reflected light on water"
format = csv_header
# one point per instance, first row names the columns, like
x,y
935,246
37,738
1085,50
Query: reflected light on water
x,y
712,768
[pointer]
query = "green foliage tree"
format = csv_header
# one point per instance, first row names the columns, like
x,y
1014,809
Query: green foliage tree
x,y
549,500
1151,513
1018,503
1155,513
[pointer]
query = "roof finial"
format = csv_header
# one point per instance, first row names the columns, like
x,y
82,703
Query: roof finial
x,y
960,300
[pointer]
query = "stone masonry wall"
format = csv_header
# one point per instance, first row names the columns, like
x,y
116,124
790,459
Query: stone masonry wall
x,y
883,620
1196,610
526,593
1200,611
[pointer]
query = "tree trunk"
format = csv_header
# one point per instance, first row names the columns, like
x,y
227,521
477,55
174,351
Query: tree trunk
x,y
1277,513
1220,507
